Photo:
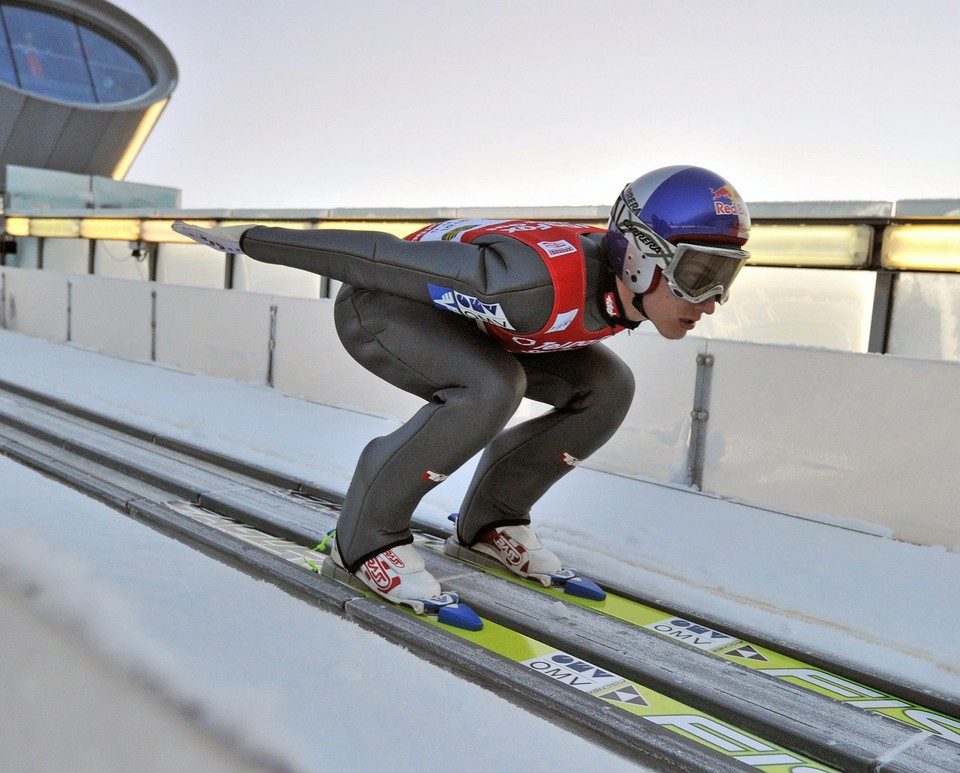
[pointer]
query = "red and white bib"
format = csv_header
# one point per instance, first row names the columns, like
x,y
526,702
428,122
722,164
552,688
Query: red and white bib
x,y
558,244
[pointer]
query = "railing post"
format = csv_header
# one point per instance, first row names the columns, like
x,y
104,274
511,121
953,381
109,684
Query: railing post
x,y
273,343
699,416
153,326
882,308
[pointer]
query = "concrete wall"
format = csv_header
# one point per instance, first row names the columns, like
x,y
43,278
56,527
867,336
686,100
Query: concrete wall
x,y
866,440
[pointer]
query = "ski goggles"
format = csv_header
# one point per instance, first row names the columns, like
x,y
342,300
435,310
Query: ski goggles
x,y
696,272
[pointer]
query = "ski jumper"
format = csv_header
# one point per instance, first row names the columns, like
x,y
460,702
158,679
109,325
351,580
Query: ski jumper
x,y
530,301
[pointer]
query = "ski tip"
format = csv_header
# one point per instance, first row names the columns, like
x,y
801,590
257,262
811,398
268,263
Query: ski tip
x,y
460,616
584,589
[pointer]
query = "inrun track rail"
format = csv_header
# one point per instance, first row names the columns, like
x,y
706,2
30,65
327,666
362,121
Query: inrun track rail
x,y
722,715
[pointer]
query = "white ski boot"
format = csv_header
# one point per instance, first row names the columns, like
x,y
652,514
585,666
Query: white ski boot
x,y
224,238
520,550
397,574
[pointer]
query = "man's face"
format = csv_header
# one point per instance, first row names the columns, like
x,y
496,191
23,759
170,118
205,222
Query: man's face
x,y
674,317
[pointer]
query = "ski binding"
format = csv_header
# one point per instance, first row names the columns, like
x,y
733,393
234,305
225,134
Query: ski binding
x,y
450,611
575,584
446,607
569,580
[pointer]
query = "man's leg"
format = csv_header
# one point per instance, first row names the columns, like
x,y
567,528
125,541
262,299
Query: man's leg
x,y
472,388
591,390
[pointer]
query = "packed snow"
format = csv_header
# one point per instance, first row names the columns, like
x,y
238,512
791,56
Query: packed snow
x,y
284,681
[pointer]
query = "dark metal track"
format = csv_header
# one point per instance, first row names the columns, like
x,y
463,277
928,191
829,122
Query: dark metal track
x,y
142,474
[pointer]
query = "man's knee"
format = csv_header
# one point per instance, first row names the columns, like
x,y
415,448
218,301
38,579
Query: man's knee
x,y
611,393
489,396
619,383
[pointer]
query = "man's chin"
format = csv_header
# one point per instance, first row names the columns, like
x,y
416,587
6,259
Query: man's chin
x,y
672,333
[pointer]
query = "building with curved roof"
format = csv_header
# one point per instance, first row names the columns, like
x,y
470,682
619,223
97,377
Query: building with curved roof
x,y
82,83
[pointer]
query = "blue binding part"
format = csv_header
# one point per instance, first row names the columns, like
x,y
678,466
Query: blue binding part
x,y
435,603
450,611
459,616
583,588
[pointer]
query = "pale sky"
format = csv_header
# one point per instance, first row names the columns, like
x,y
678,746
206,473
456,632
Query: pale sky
x,y
445,103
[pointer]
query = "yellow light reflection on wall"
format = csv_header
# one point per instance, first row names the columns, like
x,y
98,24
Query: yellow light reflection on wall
x,y
110,228
161,231
143,130
55,227
17,226
298,225
397,228
921,247
821,246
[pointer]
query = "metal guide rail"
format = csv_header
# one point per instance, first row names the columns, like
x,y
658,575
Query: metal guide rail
x,y
617,673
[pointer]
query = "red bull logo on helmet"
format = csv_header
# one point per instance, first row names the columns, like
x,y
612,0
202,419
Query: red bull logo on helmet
x,y
727,202
723,192
732,206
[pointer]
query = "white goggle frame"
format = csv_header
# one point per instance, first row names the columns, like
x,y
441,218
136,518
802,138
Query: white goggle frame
x,y
697,272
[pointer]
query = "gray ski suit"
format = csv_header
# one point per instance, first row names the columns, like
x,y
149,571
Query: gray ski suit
x,y
389,321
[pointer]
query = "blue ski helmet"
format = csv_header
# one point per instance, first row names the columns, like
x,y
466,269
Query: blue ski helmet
x,y
666,207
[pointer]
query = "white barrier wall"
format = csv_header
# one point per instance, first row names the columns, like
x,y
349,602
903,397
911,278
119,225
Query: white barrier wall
x,y
219,333
311,363
869,440
113,316
35,303
653,440
860,436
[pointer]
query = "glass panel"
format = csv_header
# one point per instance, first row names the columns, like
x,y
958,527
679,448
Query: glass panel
x,y
7,72
28,253
71,256
37,189
117,75
191,264
121,194
256,277
925,320
48,55
796,306
115,259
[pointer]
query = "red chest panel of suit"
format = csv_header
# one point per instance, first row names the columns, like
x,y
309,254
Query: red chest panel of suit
x,y
558,245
